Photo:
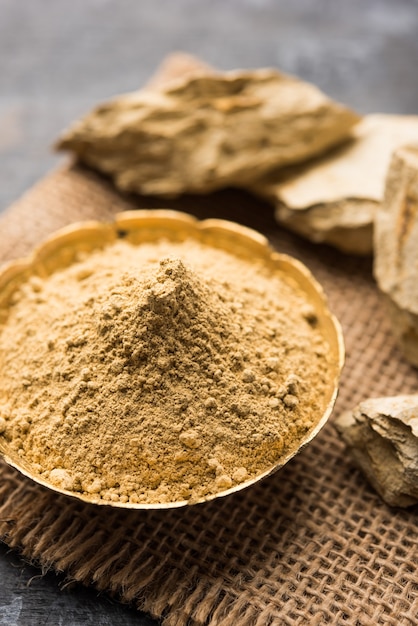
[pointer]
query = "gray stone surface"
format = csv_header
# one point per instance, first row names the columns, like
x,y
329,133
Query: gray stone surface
x,y
59,58
28,598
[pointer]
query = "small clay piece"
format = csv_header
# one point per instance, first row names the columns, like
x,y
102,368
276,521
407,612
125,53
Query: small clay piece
x,y
382,436
333,199
208,131
396,249
178,66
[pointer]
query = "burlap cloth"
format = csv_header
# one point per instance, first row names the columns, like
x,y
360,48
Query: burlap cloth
x,y
312,544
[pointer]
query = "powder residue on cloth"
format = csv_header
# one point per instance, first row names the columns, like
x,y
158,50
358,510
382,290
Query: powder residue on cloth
x,y
159,372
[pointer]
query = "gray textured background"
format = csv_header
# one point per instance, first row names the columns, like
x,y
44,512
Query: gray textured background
x,y
58,58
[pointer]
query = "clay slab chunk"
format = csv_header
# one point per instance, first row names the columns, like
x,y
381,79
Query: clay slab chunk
x,y
382,437
208,131
333,199
396,248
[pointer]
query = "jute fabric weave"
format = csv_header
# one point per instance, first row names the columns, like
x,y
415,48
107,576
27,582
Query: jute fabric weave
x,y
311,545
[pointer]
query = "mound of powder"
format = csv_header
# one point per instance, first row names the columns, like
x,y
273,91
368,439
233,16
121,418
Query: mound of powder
x,y
159,372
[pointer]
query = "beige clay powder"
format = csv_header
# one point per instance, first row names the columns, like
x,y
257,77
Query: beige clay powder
x,y
159,372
